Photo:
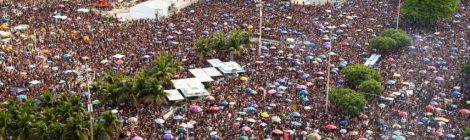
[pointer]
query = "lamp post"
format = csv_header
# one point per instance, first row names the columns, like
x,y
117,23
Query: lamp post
x,y
398,15
260,25
328,69
89,105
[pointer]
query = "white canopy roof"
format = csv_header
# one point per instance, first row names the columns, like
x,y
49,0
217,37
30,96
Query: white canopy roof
x,y
231,67
191,87
211,71
215,62
173,95
150,9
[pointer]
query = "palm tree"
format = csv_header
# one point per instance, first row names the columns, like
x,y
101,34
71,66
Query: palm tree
x,y
236,42
106,128
218,41
23,123
203,47
113,86
5,120
76,128
165,68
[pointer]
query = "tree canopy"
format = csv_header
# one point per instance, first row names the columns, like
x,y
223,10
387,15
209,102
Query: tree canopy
x,y
53,117
391,39
371,88
233,42
425,12
348,101
358,73
466,68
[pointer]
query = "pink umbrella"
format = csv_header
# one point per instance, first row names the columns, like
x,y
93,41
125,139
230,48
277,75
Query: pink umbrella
x,y
429,107
195,108
210,98
119,62
432,68
277,131
246,128
272,91
464,111
137,138
345,43
437,133
391,59
439,78
331,127
353,133
403,114
300,87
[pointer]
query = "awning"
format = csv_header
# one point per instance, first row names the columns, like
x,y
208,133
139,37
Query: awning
x,y
173,95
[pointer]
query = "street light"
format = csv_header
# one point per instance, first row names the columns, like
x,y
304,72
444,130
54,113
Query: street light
x,y
260,25
89,105
398,15
328,70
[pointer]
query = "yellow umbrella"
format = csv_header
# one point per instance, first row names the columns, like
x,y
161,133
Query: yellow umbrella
x,y
44,51
86,38
43,30
243,78
250,26
9,48
396,75
254,92
264,115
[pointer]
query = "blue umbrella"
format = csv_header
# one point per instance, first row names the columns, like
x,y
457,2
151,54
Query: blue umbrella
x,y
309,57
305,76
309,53
295,114
85,94
453,106
17,90
225,14
450,136
391,82
340,81
283,32
343,122
296,124
280,81
21,97
66,56
250,109
264,48
425,119
425,59
230,20
254,105
456,94
334,70
247,90
205,32
322,56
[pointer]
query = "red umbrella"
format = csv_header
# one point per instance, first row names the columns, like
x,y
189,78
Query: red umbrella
x,y
119,62
429,108
464,111
331,127
214,108
402,114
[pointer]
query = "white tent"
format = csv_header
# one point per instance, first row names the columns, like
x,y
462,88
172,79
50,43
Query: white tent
x,y
190,87
150,9
173,95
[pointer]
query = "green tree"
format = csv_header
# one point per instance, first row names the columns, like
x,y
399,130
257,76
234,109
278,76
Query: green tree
x,y
383,44
425,12
401,38
164,68
352,103
149,89
236,42
106,126
467,132
115,87
466,68
358,73
203,47
335,94
371,88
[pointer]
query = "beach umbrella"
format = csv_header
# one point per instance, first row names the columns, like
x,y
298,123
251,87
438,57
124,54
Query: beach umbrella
x,y
456,94
214,108
391,82
296,124
301,87
272,91
441,119
382,105
243,138
195,108
403,114
343,131
178,117
137,138
95,102
278,132
450,136
168,137
243,78
209,98
21,97
119,62
276,119
429,107
85,94
159,121
314,136
437,133
264,115
331,127
353,133
464,111
295,114
343,122
439,79
34,82
246,128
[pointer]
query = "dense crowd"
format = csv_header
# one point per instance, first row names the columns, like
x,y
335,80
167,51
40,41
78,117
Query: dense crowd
x,y
53,55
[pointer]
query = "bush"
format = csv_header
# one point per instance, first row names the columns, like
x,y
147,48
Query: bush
x,y
371,87
391,39
466,68
348,101
426,12
467,132
383,44
358,73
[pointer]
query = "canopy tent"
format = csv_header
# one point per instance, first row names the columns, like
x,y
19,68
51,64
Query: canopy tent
x,y
190,87
372,60
231,68
150,9
213,72
173,95
215,62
